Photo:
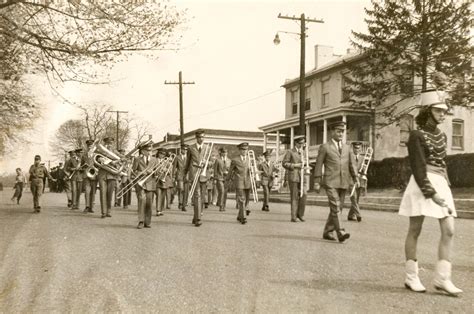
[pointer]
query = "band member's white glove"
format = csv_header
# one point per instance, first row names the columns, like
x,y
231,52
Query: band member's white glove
x,y
317,187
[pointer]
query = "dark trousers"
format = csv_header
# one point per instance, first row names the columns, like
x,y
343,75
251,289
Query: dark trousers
x,y
68,189
221,194
18,192
127,197
36,187
90,190
298,203
183,190
355,210
336,202
107,188
266,194
161,194
243,198
145,203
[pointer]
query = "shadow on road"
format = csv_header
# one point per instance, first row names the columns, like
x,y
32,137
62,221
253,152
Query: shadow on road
x,y
293,237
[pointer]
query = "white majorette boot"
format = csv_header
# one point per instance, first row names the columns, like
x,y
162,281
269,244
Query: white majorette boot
x,y
443,279
412,281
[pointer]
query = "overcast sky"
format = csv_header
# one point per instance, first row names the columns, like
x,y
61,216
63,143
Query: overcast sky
x,y
228,52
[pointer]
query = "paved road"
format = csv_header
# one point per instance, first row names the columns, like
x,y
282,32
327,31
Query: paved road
x,y
64,261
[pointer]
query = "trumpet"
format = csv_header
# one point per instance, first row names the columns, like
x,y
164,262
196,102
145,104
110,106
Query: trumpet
x,y
202,168
364,167
254,175
305,170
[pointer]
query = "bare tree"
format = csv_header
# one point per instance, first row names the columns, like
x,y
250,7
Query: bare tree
x,y
70,135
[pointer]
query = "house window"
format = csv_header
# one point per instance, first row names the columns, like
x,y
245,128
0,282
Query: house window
x,y
294,102
307,102
325,93
344,92
406,125
316,130
458,134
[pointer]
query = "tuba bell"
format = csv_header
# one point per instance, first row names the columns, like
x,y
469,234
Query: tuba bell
x,y
107,160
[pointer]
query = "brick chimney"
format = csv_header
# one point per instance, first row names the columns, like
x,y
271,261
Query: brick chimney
x,y
322,55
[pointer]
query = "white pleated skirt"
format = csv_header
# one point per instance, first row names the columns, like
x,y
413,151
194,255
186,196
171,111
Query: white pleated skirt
x,y
414,202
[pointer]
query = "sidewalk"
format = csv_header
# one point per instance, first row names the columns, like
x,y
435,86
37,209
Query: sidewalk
x,y
381,200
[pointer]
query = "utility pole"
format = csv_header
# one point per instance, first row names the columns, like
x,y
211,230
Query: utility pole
x,y
118,121
302,34
181,122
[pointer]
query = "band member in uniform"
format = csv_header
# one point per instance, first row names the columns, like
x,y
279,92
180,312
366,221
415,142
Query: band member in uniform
x,y
61,177
354,212
73,167
118,186
37,173
293,162
339,166
20,182
267,172
90,184
127,197
144,165
210,181
428,193
239,171
195,155
221,170
181,179
107,181
162,185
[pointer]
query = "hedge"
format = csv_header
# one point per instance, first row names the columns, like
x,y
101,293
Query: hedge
x,y
395,172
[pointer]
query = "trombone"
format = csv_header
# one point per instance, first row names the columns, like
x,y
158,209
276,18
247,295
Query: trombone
x,y
254,176
363,168
305,170
202,168
169,161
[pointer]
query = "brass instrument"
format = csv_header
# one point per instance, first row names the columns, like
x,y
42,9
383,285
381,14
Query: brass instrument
x,y
363,168
91,172
254,175
168,166
202,168
69,177
305,171
105,159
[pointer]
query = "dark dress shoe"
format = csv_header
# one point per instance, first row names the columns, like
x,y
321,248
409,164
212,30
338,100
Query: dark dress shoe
x,y
91,210
198,223
183,209
359,219
147,226
301,219
86,210
351,218
140,225
294,220
108,215
342,236
206,205
247,212
103,216
243,221
329,237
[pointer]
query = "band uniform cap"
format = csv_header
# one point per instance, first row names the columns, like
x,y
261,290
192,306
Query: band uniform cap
x,y
243,145
108,139
266,153
199,132
78,150
37,157
299,139
89,142
338,125
121,150
356,144
71,151
222,150
184,146
434,99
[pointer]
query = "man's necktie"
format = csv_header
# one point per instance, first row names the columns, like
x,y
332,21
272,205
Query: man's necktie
x,y
199,149
339,145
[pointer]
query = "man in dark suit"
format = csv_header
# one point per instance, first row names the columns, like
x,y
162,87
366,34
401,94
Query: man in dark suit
x,y
354,212
339,166
163,185
221,170
293,162
240,171
144,166
267,172
181,178
195,157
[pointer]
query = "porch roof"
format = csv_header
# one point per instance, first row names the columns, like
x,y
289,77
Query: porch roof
x,y
316,116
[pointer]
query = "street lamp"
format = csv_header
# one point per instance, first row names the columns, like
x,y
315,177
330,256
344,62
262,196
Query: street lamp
x,y
302,35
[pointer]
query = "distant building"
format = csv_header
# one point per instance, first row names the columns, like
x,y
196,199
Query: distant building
x,y
324,95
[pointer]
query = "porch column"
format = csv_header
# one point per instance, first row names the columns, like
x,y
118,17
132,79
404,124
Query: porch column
x,y
277,150
264,141
308,134
371,137
292,136
344,135
325,131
